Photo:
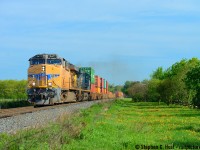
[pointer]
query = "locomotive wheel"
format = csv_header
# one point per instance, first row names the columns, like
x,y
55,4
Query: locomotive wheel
x,y
64,96
89,98
79,97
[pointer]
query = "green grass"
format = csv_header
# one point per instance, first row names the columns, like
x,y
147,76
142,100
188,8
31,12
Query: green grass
x,y
11,103
118,125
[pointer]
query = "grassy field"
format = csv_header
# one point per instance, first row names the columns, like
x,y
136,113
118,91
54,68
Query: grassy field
x,y
118,125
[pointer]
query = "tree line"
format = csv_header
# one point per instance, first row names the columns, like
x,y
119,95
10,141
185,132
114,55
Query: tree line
x,y
13,89
180,84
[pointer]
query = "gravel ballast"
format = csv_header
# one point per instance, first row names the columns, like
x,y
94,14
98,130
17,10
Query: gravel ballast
x,y
42,117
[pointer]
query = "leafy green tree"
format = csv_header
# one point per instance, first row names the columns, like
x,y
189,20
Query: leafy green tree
x,y
118,88
153,94
172,88
138,91
126,86
13,89
165,90
21,89
2,89
158,74
192,81
111,87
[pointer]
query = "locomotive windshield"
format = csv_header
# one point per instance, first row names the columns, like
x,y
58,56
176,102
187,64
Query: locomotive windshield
x,y
54,61
48,61
37,61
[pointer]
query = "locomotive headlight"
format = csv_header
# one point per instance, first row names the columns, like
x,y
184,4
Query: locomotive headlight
x,y
43,68
49,84
33,84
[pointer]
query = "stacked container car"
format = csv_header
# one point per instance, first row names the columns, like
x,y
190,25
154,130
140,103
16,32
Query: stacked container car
x,y
106,87
102,85
98,94
88,80
97,84
87,74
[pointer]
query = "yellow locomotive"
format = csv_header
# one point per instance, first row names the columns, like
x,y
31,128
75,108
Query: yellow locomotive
x,y
52,79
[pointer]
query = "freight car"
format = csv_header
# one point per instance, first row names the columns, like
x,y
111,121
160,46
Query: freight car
x,y
52,79
119,94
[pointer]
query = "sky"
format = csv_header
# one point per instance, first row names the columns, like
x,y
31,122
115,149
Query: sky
x,y
121,39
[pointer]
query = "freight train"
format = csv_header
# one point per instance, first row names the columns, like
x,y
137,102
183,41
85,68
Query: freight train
x,y
52,79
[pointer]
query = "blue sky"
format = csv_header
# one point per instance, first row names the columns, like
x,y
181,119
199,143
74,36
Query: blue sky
x,y
122,39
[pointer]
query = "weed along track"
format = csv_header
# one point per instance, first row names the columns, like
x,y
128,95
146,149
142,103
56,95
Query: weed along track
x,y
12,120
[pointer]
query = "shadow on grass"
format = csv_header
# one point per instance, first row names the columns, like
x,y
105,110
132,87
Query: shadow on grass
x,y
162,107
146,105
124,103
191,128
187,115
138,104
181,113
150,105
14,104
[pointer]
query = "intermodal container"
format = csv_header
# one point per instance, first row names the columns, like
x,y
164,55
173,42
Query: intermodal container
x,y
102,90
98,90
101,82
97,81
104,84
93,88
90,71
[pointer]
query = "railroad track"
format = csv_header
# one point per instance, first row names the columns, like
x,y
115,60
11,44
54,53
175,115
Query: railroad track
x,y
4,113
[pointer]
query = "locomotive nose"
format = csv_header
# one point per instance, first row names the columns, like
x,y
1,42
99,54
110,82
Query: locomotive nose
x,y
44,96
